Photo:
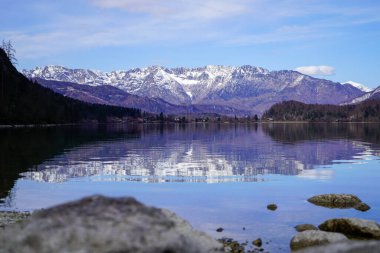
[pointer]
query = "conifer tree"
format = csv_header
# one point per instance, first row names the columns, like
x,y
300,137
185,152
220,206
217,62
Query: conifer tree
x,y
7,46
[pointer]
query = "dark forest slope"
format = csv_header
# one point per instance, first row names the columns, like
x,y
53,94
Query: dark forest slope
x,y
368,110
25,102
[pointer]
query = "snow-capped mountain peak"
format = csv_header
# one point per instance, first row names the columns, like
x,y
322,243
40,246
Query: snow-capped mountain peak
x,y
175,85
359,86
244,88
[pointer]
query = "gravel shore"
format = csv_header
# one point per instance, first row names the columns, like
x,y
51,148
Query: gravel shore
x,y
7,218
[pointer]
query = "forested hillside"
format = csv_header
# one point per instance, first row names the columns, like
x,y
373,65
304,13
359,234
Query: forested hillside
x,y
25,102
368,110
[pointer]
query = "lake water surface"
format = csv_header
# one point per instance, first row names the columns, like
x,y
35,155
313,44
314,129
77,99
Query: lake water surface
x,y
211,175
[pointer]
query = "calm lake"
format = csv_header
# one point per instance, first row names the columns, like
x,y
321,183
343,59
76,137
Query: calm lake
x,y
212,175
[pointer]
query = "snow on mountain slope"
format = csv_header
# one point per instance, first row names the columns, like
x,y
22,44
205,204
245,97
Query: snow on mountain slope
x,y
375,94
245,88
178,85
110,95
359,86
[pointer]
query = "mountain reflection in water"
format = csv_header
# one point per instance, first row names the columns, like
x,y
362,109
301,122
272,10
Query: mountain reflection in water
x,y
205,153
206,172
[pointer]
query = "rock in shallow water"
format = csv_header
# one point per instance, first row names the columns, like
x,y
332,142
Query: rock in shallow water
x,y
232,246
362,207
272,207
353,228
346,247
100,224
314,237
338,201
258,242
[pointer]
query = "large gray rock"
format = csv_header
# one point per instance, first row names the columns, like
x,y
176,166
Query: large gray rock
x,y
314,237
339,201
346,247
353,228
99,224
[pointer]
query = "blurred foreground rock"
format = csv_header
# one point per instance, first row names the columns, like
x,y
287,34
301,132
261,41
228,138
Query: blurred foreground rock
x,y
314,237
346,247
100,224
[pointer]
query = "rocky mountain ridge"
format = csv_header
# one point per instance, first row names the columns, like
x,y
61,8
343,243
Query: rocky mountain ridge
x,y
359,86
245,89
374,94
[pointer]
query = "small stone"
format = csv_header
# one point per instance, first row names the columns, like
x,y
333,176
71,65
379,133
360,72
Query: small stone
x,y
232,246
258,242
219,230
362,207
314,237
272,207
304,227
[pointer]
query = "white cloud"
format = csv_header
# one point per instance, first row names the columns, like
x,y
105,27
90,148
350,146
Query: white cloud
x,y
180,9
140,22
107,23
316,70
282,34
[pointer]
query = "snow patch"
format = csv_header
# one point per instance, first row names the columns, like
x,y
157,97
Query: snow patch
x,y
360,99
189,94
184,81
298,80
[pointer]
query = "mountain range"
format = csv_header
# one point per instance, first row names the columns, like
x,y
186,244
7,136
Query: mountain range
x,y
244,90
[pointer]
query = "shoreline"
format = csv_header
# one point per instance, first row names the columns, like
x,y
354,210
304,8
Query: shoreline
x,y
35,125
164,226
16,126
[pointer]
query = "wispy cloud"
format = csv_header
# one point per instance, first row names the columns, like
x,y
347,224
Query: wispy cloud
x,y
280,34
316,70
107,23
180,9
127,22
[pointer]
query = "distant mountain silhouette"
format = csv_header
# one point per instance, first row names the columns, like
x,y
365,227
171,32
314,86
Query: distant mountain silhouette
x,y
25,102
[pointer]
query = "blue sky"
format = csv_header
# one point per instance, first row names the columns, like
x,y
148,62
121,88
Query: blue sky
x,y
337,40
